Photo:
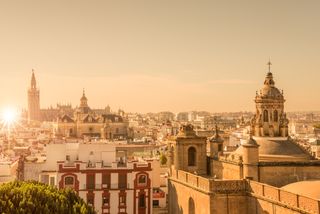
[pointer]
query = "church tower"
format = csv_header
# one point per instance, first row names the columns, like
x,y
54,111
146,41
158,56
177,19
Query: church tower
x,y
188,152
270,119
33,101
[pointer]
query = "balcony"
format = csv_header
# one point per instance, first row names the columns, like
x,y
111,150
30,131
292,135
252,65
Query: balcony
x,y
105,186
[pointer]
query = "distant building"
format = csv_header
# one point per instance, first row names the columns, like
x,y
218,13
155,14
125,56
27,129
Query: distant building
x,y
33,101
86,122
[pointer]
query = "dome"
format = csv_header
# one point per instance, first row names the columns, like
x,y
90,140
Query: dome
x,y
270,92
306,188
278,149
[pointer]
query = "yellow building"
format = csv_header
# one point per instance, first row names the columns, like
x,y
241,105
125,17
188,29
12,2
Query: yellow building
x,y
86,122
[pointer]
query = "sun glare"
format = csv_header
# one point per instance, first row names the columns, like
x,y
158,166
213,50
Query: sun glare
x,y
9,116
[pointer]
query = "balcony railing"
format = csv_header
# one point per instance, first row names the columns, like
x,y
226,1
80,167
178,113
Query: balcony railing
x,y
105,186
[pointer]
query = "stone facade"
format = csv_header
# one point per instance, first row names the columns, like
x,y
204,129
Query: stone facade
x,y
239,182
86,122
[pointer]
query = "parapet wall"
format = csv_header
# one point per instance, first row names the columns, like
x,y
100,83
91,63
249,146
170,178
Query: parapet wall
x,y
283,198
210,185
260,197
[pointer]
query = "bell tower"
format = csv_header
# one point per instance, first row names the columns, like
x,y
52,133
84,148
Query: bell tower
x,y
33,101
188,152
270,119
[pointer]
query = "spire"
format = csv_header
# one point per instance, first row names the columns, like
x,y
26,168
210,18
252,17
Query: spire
x,y
269,78
83,93
269,65
33,81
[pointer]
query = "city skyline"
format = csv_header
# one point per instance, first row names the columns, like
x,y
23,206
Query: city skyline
x,y
157,56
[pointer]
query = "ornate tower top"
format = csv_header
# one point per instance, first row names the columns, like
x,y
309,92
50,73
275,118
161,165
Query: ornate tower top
x,y
270,119
83,100
33,81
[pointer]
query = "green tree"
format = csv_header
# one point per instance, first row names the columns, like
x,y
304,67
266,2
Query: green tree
x,y
163,159
34,197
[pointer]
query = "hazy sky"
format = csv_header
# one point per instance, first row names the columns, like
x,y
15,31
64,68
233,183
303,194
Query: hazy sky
x,y
160,55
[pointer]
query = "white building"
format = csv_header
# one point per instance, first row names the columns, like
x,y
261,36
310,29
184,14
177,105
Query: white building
x,y
104,177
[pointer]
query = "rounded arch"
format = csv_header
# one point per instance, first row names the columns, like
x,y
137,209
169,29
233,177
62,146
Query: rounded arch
x,y
265,116
192,155
191,206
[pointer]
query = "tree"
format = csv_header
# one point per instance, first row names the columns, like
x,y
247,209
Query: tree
x,y
163,159
34,197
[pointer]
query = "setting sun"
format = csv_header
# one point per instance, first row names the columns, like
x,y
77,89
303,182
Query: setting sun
x,y
9,116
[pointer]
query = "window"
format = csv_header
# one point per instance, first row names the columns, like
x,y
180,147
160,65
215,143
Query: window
x,y
192,209
122,200
90,181
117,130
69,180
52,181
192,156
105,201
155,203
275,116
90,200
122,179
219,147
106,180
67,157
142,201
265,116
142,179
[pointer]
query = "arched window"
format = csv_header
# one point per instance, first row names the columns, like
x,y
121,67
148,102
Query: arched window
x,y
275,116
142,179
192,209
192,154
69,182
265,116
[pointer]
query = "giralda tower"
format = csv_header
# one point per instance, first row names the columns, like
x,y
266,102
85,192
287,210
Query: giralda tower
x,y
33,101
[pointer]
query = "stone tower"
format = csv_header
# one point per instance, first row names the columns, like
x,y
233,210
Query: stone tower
x,y
270,119
216,144
84,107
33,101
188,152
250,159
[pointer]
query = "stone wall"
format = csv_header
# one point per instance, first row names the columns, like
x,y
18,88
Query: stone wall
x,y
226,170
268,199
281,175
209,195
233,197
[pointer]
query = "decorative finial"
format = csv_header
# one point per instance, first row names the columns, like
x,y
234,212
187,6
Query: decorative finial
x,y
217,128
269,65
250,133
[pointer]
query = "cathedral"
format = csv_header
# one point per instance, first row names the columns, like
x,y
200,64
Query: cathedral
x,y
77,122
86,122
252,179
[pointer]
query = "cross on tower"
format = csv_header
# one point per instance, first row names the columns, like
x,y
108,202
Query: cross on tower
x,y
269,65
